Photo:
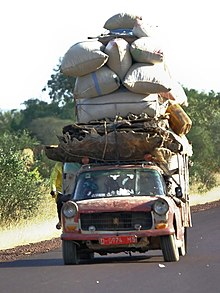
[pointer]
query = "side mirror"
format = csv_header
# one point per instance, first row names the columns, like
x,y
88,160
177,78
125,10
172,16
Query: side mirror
x,y
178,192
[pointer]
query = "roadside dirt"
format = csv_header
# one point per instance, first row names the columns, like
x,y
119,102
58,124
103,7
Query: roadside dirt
x,y
47,245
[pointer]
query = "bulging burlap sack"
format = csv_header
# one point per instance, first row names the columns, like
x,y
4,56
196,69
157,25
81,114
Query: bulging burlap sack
x,y
145,78
146,50
177,94
98,83
83,58
142,29
120,59
121,20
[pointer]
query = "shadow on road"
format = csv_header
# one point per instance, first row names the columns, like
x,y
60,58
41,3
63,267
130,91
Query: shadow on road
x,y
51,262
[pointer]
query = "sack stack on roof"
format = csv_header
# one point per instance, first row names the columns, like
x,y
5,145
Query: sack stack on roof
x,y
119,75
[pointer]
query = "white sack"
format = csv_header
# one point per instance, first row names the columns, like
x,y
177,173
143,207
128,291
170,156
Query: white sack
x,y
83,58
146,50
120,60
121,20
142,29
176,94
101,82
147,78
118,103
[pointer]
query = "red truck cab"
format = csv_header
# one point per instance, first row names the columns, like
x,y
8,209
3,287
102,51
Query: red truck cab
x,y
125,208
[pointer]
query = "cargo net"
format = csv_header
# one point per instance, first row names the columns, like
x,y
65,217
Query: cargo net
x,y
119,139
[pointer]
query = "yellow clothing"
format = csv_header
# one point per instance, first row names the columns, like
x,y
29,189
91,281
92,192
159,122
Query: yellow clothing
x,y
56,178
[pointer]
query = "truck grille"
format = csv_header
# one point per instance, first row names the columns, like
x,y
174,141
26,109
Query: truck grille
x,y
117,221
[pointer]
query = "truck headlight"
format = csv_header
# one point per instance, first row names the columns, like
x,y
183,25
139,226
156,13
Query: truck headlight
x,y
160,207
69,209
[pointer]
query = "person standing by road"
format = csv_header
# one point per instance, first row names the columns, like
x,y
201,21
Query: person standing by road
x,y
56,186
62,181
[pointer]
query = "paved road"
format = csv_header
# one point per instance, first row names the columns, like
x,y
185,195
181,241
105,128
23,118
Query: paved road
x,y
196,272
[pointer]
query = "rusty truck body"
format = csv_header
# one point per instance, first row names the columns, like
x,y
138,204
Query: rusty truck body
x,y
128,207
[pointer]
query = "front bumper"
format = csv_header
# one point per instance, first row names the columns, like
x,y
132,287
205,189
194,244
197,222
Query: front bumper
x,y
97,236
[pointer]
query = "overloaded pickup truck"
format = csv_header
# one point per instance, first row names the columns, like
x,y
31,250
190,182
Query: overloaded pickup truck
x,y
127,208
132,195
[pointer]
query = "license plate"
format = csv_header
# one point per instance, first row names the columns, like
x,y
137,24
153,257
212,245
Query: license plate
x,y
118,240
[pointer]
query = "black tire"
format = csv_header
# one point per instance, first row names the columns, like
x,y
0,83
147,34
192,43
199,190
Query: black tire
x,y
169,248
70,254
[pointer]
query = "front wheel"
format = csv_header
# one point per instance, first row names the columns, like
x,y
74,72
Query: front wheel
x,y
70,255
169,248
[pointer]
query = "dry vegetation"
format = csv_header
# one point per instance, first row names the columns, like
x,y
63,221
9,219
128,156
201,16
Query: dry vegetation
x,y
39,228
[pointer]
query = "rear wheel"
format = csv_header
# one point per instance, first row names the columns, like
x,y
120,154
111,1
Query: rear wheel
x,y
70,255
169,248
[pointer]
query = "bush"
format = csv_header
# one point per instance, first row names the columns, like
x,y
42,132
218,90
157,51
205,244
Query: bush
x,y
21,185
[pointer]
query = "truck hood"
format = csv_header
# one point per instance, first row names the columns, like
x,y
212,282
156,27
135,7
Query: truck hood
x,y
137,203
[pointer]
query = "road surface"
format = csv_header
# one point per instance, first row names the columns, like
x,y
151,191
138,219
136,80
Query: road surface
x,y
198,271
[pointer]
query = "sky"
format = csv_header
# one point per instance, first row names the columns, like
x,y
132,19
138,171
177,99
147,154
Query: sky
x,y
35,34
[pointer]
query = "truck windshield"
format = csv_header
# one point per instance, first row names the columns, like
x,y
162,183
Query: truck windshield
x,y
129,182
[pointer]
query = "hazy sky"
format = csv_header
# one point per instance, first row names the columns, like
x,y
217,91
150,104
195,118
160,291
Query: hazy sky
x,y
36,33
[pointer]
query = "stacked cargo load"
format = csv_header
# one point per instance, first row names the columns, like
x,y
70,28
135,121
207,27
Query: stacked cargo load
x,y
127,104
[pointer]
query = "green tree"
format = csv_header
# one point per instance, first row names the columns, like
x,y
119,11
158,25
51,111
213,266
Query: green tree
x,y
10,120
47,129
205,136
36,110
39,109
60,87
